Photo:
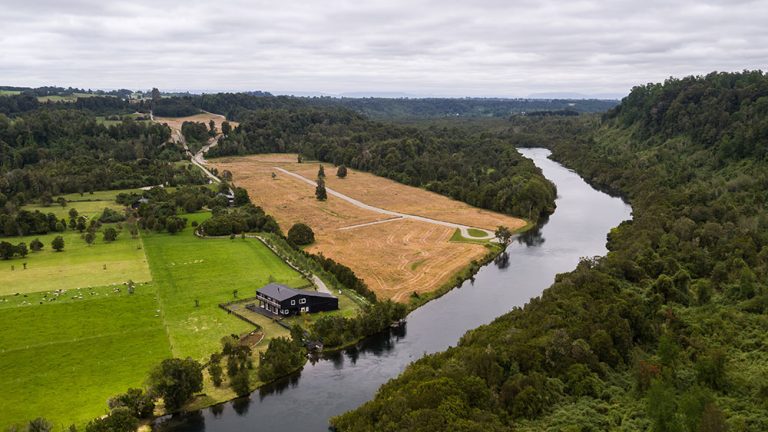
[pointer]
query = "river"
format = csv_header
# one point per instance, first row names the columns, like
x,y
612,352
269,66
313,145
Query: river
x,y
345,380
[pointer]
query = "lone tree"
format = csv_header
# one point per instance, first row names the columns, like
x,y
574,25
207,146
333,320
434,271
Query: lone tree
x,y
212,128
110,234
90,238
155,97
301,234
342,171
73,213
504,235
58,244
176,380
36,245
299,159
321,172
320,192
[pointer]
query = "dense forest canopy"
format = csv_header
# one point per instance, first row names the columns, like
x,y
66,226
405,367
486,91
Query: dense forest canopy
x,y
665,333
405,108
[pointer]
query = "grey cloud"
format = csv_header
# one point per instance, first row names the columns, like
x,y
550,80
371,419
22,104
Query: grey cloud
x,y
429,47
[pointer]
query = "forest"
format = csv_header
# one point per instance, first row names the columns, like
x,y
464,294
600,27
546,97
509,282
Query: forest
x,y
480,168
667,331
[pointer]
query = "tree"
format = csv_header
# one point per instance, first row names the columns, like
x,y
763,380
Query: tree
x,y
226,128
58,243
241,382
80,224
139,403
61,201
22,251
46,199
320,192
90,238
301,234
155,97
110,234
119,420
299,159
73,214
342,171
212,128
215,370
504,235
176,380
241,197
39,425
36,245
321,172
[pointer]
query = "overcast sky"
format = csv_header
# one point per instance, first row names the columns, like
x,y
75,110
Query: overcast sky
x,y
504,48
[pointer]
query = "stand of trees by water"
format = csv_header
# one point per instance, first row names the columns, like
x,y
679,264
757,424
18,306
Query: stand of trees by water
x,y
479,168
666,332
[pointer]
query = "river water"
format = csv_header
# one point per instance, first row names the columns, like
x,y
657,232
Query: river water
x,y
345,380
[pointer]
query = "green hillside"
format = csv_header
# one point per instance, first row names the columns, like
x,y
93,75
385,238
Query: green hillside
x,y
668,331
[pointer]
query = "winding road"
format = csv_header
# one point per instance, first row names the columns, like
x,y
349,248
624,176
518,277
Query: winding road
x,y
396,215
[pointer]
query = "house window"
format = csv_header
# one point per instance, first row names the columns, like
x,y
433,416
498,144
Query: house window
x,y
293,302
285,311
302,301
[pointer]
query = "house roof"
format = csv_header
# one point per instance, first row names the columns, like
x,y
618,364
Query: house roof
x,y
281,292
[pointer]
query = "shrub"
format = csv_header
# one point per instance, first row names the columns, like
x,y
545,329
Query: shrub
x,y
301,234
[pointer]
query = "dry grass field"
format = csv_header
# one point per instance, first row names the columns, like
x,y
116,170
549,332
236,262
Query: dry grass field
x,y
175,122
395,258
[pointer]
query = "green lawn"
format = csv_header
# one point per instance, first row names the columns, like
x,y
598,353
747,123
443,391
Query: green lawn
x,y
64,358
457,237
77,266
107,195
474,232
186,268
9,92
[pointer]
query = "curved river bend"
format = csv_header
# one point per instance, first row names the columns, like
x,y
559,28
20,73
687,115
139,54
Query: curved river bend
x,y
345,380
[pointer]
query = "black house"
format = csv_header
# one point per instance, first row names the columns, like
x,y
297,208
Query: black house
x,y
283,301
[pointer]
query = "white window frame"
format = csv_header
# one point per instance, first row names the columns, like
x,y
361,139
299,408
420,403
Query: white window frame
x,y
293,302
302,301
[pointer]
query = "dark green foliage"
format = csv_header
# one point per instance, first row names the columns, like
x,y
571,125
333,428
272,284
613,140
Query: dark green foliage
x,y
89,237
8,250
320,192
24,222
36,245
334,330
176,380
341,172
673,310
282,357
215,370
248,218
241,197
39,425
111,216
48,152
175,107
241,382
58,244
139,403
195,132
301,234
119,420
110,234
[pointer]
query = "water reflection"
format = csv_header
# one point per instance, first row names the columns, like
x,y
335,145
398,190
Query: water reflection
x,y
337,382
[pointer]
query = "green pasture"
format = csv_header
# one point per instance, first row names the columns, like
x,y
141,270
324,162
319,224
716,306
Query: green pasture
x,y
78,265
64,358
186,268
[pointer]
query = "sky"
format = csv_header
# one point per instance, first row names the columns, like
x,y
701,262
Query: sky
x,y
450,48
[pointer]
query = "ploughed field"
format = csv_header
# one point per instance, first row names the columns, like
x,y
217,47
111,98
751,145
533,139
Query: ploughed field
x,y
396,257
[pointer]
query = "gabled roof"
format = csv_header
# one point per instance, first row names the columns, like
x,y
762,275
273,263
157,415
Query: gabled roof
x,y
281,292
